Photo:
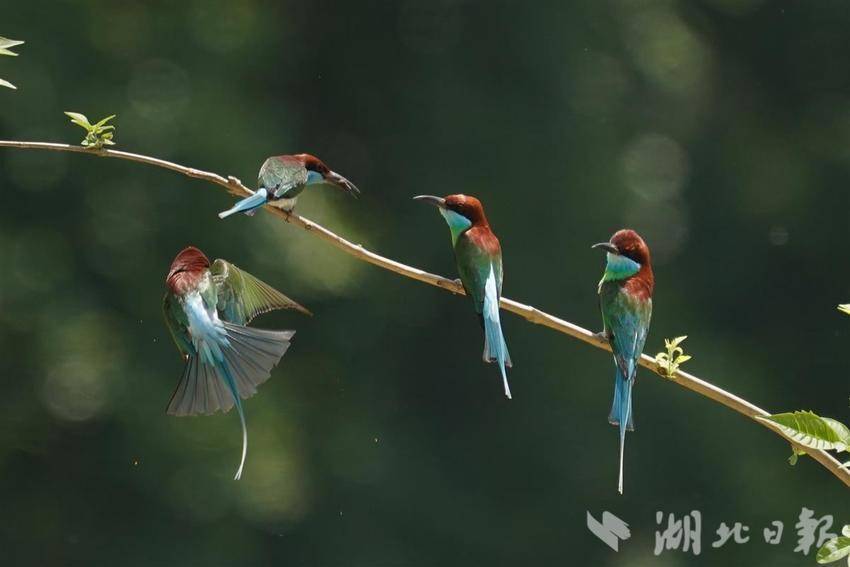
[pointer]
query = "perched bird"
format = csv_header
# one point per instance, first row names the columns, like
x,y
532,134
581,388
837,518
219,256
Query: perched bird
x,y
479,263
625,298
207,308
283,178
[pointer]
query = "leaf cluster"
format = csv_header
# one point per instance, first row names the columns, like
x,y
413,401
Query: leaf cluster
x,y
669,362
5,49
98,134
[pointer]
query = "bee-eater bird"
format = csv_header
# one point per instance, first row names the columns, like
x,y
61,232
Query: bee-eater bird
x,y
625,298
207,308
479,263
283,178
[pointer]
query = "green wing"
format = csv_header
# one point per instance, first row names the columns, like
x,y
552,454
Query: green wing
x,y
473,266
241,296
282,177
473,271
178,324
626,319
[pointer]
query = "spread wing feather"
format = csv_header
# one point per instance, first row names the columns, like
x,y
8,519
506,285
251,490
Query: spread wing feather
x,y
241,296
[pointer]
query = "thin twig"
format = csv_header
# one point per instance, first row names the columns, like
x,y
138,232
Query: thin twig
x,y
529,313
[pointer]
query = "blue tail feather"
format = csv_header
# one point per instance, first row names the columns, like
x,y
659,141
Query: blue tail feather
x,y
621,413
495,348
621,408
248,204
246,363
230,362
231,385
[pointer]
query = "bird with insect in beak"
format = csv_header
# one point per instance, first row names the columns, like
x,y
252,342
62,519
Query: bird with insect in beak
x,y
479,263
283,178
625,298
207,309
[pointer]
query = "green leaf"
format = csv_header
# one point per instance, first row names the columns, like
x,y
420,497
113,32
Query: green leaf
x,y
795,453
5,42
845,531
668,362
98,134
104,121
79,119
810,430
834,549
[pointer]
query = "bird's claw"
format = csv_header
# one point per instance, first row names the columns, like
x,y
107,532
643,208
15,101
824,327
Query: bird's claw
x,y
457,284
602,336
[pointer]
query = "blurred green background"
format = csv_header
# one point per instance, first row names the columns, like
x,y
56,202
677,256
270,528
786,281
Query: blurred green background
x,y
719,129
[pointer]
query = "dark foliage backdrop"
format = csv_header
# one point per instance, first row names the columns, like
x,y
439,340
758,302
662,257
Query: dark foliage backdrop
x,y
720,129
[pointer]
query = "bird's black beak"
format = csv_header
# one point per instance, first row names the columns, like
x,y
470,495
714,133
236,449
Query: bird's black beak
x,y
431,200
607,246
335,178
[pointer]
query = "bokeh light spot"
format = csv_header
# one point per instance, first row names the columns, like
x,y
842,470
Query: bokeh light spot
x,y
655,167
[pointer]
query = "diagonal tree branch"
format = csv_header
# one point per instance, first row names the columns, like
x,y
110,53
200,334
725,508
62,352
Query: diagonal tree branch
x,y
529,313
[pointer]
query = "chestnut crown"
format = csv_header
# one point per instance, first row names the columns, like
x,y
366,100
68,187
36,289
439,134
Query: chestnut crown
x,y
467,206
186,269
631,245
312,163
